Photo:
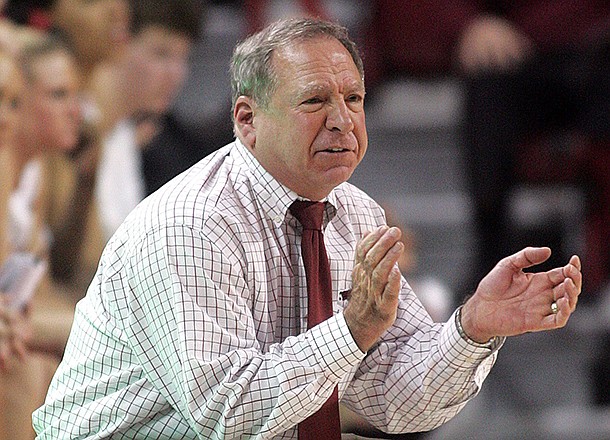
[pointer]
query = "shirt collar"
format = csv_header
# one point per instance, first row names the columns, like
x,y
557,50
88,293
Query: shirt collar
x,y
274,198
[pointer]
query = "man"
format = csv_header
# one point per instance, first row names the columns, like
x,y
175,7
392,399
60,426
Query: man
x,y
196,322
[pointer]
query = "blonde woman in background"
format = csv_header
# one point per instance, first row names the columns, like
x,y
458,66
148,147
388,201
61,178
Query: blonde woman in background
x,y
35,332
11,85
98,31
93,30
11,88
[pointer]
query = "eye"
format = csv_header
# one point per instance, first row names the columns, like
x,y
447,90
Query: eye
x,y
311,101
161,52
355,98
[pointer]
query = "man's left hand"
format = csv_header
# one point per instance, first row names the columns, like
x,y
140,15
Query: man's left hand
x,y
509,301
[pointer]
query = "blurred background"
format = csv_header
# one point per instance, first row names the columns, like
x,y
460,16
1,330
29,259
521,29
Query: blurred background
x,y
434,111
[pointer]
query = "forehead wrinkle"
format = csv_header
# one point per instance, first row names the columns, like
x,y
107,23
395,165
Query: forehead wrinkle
x,y
317,87
318,75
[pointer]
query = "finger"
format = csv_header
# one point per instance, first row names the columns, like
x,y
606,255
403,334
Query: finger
x,y
367,242
381,247
388,301
572,293
528,257
573,270
558,275
575,261
557,320
383,270
559,278
563,313
572,290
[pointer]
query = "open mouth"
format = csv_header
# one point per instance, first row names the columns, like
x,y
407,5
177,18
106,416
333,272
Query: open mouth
x,y
336,150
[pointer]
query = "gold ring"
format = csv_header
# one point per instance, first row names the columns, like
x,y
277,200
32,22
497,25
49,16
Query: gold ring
x,y
554,308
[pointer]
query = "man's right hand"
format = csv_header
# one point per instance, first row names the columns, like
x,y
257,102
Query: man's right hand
x,y
375,286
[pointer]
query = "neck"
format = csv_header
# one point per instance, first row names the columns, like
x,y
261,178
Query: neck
x,y
26,148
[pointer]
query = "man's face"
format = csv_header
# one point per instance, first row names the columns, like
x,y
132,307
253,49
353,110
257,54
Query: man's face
x,y
51,102
96,28
157,65
313,134
11,89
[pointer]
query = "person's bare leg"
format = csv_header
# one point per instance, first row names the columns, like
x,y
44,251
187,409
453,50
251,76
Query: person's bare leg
x,y
23,386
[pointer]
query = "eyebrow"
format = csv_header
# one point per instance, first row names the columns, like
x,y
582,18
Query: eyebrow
x,y
311,89
321,89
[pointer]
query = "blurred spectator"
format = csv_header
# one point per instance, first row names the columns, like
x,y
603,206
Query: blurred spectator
x,y
177,147
134,92
29,13
11,85
50,121
259,13
532,70
98,32
130,93
353,14
35,319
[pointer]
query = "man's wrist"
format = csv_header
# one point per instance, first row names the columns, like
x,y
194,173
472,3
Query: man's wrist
x,y
466,336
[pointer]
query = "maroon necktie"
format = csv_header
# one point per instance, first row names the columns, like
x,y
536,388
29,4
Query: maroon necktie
x,y
324,424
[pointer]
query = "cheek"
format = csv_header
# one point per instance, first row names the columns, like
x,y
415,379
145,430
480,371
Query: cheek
x,y
361,135
306,132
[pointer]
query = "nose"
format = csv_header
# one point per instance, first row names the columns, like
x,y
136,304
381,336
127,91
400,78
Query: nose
x,y
74,108
7,113
338,117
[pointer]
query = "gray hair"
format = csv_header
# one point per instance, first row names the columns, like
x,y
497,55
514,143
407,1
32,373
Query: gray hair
x,y
252,72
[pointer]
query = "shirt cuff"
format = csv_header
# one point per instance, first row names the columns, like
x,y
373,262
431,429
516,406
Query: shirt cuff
x,y
491,344
334,347
461,351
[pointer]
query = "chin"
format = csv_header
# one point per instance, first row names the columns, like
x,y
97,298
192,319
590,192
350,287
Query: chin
x,y
335,179
341,174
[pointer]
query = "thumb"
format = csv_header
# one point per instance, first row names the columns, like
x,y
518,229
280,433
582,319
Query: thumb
x,y
530,256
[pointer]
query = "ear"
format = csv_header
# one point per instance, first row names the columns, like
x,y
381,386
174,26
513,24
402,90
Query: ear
x,y
243,115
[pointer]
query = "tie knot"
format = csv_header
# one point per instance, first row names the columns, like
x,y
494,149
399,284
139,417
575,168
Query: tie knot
x,y
309,214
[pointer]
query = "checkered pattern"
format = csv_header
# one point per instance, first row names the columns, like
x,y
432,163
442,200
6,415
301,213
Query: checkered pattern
x,y
195,324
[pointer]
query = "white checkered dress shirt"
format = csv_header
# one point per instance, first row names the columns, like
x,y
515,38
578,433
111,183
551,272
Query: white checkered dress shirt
x,y
195,324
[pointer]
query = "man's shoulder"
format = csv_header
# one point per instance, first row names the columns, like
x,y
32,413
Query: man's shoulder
x,y
189,198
